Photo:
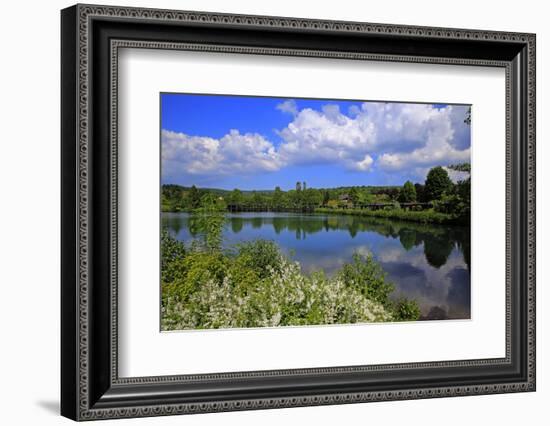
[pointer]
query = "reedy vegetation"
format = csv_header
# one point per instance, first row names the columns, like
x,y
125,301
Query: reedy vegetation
x,y
423,216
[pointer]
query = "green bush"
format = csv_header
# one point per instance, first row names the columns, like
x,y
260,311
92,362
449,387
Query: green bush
x,y
282,298
366,276
405,310
408,193
254,285
260,255
192,271
171,251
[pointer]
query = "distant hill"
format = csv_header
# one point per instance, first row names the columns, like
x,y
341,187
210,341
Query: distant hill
x,y
268,191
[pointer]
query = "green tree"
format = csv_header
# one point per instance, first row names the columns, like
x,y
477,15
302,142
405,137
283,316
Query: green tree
x,y
295,198
194,197
420,193
461,167
365,197
257,199
165,204
354,195
236,197
438,183
326,197
463,190
311,197
277,199
407,193
208,220
462,195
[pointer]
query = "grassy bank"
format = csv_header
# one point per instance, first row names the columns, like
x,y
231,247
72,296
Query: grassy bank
x,y
424,216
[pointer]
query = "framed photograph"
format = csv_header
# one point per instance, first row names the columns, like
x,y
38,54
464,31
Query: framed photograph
x,y
263,212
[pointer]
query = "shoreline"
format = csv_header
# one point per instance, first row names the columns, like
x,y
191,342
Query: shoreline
x,y
424,216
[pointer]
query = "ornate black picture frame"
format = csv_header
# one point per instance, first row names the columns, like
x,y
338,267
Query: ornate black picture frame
x,y
91,36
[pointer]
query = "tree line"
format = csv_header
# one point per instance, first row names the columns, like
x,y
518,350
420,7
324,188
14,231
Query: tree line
x,y
179,198
438,189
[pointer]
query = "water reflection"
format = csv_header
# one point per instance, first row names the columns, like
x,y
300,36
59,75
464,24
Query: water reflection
x,y
429,263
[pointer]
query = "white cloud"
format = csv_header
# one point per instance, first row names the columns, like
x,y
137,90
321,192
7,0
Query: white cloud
x,y
289,106
233,153
456,175
401,136
327,136
365,164
392,137
435,130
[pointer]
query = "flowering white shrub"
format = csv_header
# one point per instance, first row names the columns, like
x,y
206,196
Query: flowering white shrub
x,y
284,297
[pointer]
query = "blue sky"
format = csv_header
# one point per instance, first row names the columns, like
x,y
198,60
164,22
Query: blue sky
x,y
259,142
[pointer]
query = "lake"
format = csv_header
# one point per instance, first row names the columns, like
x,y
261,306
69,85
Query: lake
x,y
427,263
